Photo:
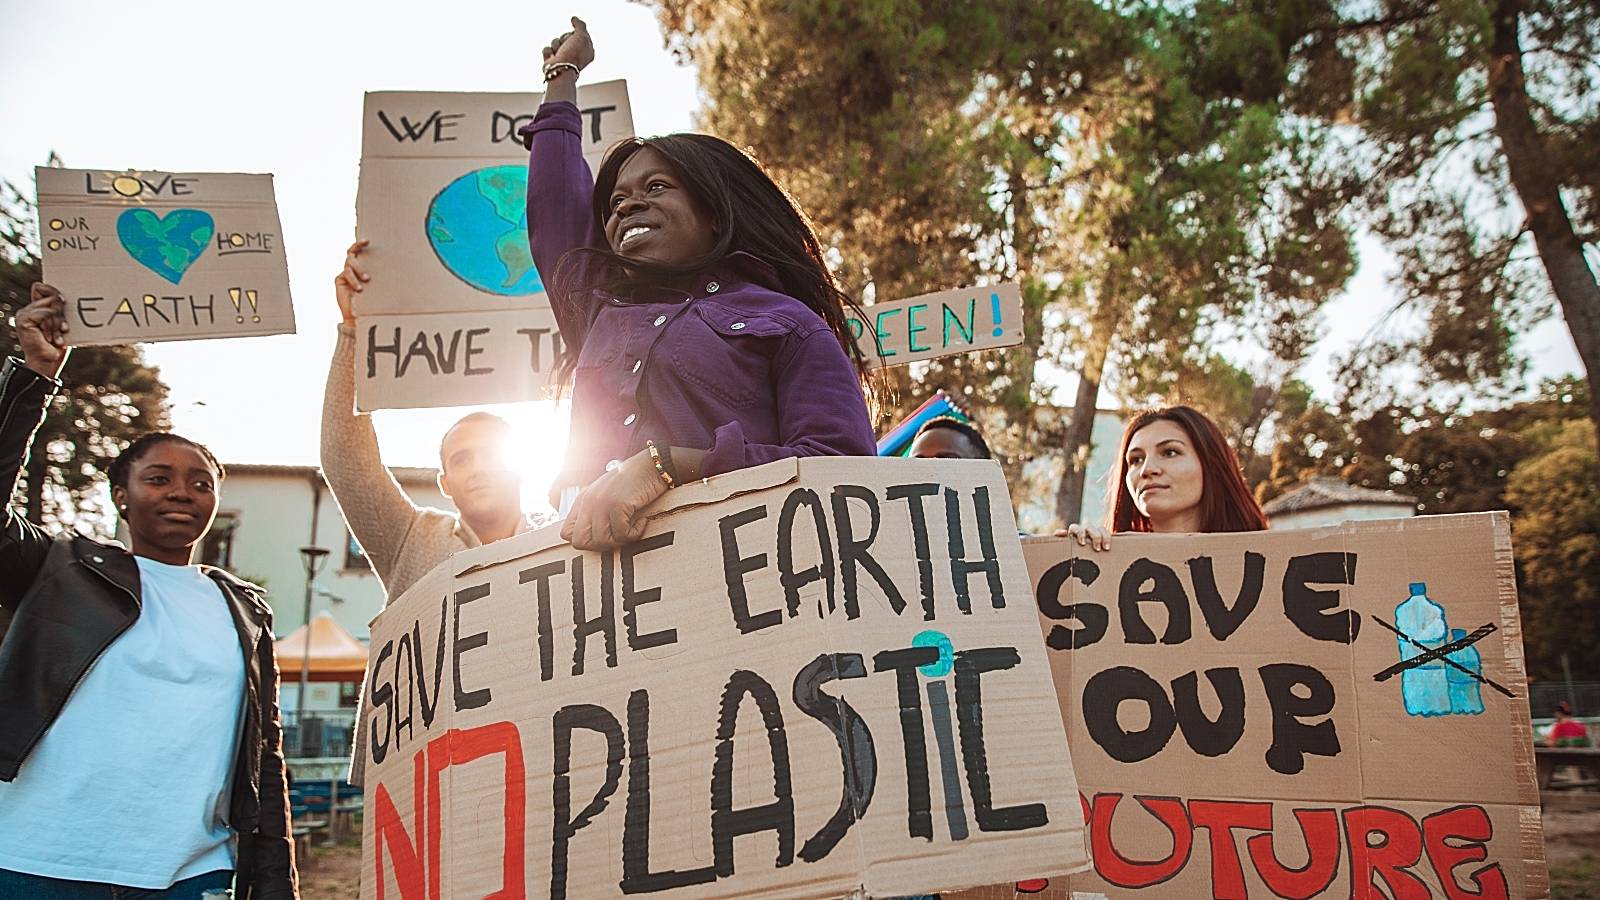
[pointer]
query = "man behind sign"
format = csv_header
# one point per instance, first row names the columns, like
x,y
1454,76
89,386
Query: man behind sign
x,y
402,540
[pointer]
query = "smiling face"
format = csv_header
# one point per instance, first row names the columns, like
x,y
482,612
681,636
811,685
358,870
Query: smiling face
x,y
168,502
654,216
1164,477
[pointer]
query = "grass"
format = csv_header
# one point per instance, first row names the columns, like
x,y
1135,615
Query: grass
x,y
1577,879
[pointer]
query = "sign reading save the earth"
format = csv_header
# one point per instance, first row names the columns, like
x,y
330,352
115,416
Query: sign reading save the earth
x,y
163,256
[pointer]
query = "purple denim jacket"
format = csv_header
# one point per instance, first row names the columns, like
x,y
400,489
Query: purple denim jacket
x,y
737,367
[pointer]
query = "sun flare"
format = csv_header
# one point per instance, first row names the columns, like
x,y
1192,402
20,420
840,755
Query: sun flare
x,y
536,448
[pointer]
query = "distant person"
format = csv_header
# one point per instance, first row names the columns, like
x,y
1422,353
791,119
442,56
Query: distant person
x,y
1566,731
946,437
402,540
140,750
704,332
1175,473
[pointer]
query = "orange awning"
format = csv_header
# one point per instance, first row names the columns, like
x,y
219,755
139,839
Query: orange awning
x,y
334,654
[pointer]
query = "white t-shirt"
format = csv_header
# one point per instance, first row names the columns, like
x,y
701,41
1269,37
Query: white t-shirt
x,y
130,786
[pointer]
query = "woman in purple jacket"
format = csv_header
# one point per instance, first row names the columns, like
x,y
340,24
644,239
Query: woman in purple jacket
x,y
703,331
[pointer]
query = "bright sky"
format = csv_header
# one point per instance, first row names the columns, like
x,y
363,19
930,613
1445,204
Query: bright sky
x,y
206,87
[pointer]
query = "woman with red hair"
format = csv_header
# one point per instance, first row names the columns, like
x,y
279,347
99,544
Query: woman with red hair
x,y
1175,473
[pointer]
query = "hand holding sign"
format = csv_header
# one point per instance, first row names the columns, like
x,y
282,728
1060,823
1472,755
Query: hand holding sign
x,y
350,281
607,512
41,330
1092,536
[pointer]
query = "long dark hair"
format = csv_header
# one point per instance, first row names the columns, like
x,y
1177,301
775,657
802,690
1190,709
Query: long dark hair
x,y
753,214
1226,503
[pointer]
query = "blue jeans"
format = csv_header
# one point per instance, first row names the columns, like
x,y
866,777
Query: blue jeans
x,y
19,886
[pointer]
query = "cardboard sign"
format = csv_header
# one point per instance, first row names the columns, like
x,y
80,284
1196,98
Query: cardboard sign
x,y
809,679
164,256
1336,712
942,324
443,200
394,353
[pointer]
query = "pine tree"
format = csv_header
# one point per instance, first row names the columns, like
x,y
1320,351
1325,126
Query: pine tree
x,y
1138,172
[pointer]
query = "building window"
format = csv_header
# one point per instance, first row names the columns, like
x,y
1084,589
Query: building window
x,y
217,547
349,692
354,556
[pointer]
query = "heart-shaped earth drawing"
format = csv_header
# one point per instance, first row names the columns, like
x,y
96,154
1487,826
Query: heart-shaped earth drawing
x,y
166,246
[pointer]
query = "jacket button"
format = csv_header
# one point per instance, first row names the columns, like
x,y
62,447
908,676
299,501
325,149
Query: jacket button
x,y
630,419
659,321
98,559
637,363
737,326
713,287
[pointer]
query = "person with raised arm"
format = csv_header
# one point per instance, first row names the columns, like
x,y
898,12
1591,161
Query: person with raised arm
x,y
140,744
402,540
703,330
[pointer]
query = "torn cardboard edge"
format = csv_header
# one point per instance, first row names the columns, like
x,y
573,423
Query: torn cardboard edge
x,y
1470,553
488,641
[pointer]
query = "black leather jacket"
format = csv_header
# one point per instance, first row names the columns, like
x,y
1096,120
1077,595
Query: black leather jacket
x,y
69,597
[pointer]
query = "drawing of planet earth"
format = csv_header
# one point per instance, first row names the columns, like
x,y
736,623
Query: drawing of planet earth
x,y
478,226
168,245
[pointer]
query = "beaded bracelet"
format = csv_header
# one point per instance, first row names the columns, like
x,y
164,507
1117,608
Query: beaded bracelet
x,y
662,458
554,69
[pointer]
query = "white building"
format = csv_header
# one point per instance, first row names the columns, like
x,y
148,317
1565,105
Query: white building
x,y
1325,500
266,514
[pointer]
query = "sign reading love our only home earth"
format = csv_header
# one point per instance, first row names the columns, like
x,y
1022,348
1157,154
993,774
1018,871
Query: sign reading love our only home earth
x,y
164,256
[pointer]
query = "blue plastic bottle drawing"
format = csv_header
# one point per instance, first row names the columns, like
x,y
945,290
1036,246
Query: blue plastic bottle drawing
x,y
1466,698
1425,687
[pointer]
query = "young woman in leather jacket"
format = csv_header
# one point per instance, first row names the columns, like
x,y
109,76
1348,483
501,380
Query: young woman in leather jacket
x,y
139,732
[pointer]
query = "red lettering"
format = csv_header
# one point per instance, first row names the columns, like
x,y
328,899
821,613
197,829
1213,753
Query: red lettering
x,y
1401,848
388,829
1470,824
1124,872
458,747
1320,828
1386,846
454,748
438,761
1220,817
